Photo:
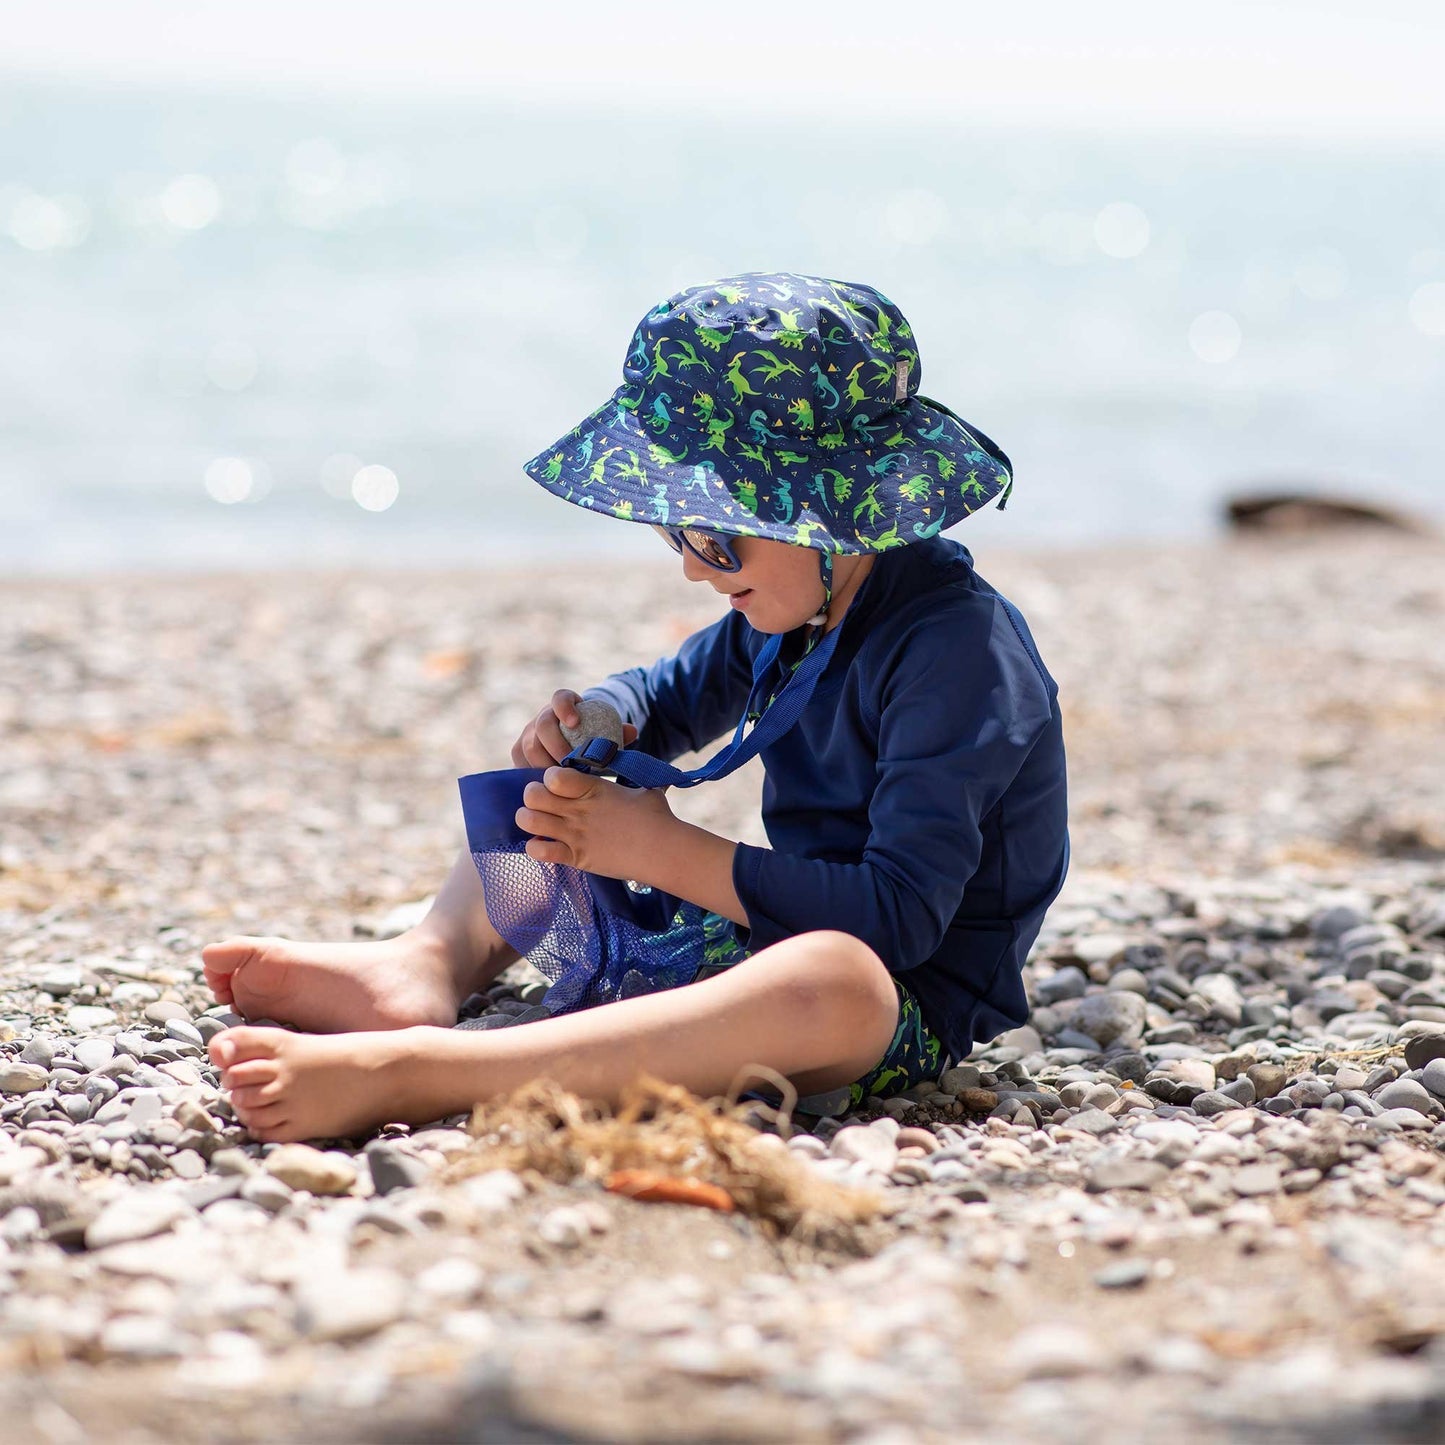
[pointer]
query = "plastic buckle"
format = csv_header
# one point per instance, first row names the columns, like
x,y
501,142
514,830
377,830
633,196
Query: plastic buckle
x,y
594,756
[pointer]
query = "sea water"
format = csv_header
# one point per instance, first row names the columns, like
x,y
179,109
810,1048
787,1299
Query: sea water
x,y
256,329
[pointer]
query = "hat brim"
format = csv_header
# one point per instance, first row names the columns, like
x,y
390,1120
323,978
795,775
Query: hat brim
x,y
922,470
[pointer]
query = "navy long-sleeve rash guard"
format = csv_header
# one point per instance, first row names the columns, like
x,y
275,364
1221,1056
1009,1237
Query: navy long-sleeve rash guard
x,y
919,801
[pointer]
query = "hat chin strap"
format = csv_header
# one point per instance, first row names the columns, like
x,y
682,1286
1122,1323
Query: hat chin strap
x,y
825,571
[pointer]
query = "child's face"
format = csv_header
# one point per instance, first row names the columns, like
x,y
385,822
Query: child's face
x,y
777,586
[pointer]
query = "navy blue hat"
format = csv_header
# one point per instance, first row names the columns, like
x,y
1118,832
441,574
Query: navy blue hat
x,y
783,406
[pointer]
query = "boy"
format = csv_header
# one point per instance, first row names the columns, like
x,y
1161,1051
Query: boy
x,y
769,425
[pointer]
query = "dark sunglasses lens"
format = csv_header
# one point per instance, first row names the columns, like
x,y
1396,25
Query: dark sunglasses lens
x,y
667,537
710,550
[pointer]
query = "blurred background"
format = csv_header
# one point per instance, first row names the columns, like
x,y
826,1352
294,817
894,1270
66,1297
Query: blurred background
x,y
304,283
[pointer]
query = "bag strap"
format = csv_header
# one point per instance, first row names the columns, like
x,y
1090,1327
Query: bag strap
x,y
603,757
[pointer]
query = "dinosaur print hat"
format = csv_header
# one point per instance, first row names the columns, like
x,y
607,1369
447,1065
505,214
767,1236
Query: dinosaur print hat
x,y
776,405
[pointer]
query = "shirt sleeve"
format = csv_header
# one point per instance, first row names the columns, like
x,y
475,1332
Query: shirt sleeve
x,y
958,716
682,703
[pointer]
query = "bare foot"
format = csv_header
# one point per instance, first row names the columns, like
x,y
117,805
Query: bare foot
x,y
332,988
287,1086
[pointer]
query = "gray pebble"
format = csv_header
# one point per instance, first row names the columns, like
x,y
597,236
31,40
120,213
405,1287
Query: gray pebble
x,y
392,1169
1404,1094
1108,1017
1432,1076
94,1053
1212,1102
1125,1174
162,1012
1422,1048
1254,1179
267,1191
1126,1274
185,1031
596,718
40,1050
1094,1121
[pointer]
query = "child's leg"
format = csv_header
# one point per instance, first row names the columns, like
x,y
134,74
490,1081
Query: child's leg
x,y
419,977
820,1009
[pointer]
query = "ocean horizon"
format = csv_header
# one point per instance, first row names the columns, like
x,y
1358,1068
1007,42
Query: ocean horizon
x,y
254,330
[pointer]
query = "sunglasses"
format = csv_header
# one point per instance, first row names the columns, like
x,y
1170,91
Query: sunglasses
x,y
708,547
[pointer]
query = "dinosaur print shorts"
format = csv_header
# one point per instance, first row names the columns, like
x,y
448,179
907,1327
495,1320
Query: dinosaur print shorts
x,y
915,1055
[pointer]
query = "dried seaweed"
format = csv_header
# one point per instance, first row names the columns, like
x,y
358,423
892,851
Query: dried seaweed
x,y
662,1127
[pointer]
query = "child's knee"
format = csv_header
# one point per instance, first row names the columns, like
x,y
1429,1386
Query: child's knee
x,y
838,971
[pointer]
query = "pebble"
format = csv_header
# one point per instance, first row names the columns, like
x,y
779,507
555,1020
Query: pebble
x,y
94,1053
135,1215
1405,1094
141,1337
1110,1174
1212,1102
1422,1048
1254,1179
1056,1352
393,1169
40,1050
302,1167
163,1011
1126,1274
1109,1017
964,1076
1432,1077
17,1078
346,1304
85,1017
861,1143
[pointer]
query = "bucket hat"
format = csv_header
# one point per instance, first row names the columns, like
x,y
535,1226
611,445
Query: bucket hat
x,y
772,404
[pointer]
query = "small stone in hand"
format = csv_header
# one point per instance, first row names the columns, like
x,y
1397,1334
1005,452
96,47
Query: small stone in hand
x,y
595,719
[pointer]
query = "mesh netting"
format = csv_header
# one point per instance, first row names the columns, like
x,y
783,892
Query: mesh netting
x,y
594,939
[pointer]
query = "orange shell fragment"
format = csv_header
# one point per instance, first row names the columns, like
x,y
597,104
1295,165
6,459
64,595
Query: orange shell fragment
x,y
653,1188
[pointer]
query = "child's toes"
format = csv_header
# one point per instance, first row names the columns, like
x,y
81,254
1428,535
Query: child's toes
x,y
264,1120
245,1043
250,1074
251,1097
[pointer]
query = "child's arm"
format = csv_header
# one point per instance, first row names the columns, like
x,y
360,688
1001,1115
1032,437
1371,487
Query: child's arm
x,y
682,703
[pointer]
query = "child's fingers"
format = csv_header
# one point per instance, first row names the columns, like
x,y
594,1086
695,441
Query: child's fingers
x,y
539,825
564,705
565,783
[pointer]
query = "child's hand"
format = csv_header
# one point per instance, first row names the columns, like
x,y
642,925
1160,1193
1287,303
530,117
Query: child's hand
x,y
594,824
542,743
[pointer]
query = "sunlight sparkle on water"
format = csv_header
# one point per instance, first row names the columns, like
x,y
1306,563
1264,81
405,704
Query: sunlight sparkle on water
x,y
229,480
191,202
1215,337
1427,308
315,167
232,365
375,488
1121,230
48,223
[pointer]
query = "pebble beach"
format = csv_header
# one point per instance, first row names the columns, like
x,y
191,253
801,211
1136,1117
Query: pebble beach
x,y
1198,1196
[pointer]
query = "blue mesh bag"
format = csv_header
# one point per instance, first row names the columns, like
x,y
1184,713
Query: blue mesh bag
x,y
598,939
